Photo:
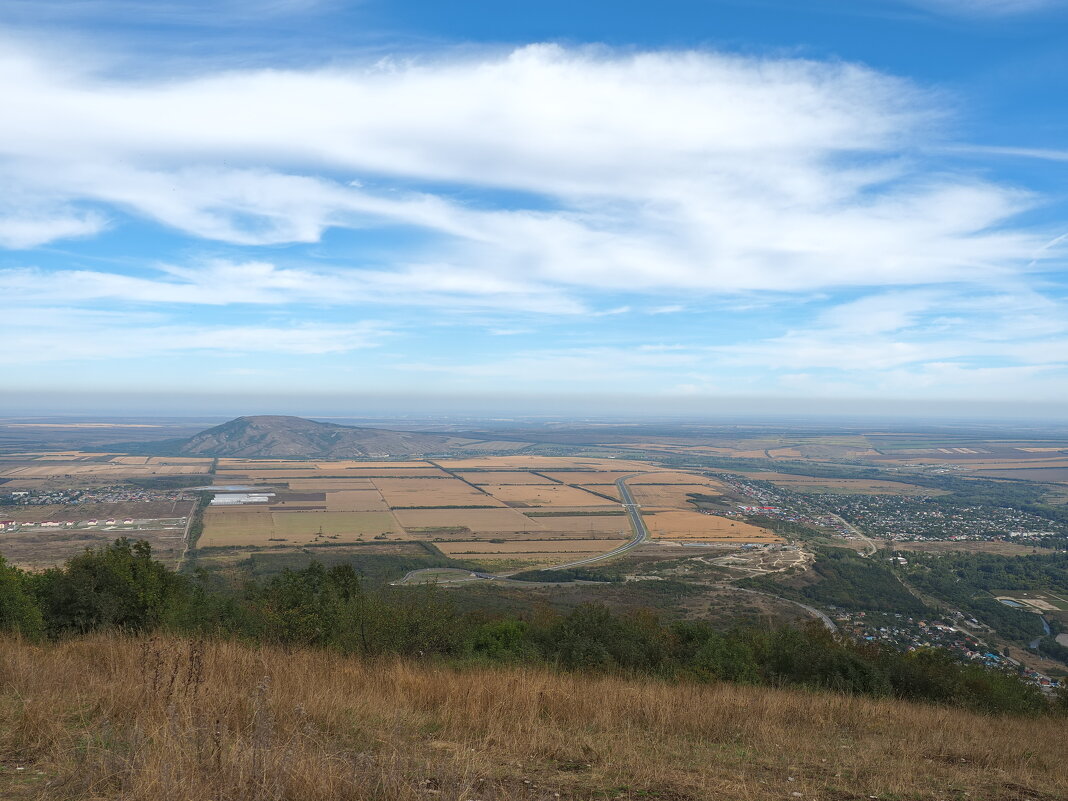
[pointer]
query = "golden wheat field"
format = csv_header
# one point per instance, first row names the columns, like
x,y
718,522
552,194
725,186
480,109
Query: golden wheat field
x,y
481,477
698,527
552,495
165,719
676,496
671,477
242,526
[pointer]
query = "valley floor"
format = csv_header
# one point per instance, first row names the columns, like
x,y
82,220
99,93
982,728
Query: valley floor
x,y
161,719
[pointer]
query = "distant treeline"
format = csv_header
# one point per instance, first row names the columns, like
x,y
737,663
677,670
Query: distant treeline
x,y
122,587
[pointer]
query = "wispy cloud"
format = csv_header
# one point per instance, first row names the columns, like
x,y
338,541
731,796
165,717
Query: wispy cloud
x,y
656,171
587,183
996,8
222,283
48,334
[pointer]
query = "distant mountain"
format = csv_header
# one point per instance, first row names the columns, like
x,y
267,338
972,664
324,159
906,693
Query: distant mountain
x,y
265,436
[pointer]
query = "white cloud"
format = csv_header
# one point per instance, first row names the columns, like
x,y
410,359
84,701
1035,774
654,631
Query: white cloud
x,y
660,171
220,283
22,231
997,8
917,328
33,335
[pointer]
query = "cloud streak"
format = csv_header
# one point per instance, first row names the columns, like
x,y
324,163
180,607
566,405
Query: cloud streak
x,y
649,171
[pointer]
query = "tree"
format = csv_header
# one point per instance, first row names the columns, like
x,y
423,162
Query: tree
x,y
117,586
19,611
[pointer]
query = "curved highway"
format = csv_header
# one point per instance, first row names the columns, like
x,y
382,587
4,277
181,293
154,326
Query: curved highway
x,y
637,525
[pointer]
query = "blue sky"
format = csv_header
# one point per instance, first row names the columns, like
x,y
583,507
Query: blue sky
x,y
636,206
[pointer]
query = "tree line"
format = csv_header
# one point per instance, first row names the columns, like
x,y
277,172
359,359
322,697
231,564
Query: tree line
x,y
122,587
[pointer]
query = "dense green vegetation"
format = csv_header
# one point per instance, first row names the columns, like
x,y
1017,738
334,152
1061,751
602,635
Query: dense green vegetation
x,y
842,578
122,587
571,574
966,580
373,568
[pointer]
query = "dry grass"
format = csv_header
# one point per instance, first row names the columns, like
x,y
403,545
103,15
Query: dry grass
x,y
172,720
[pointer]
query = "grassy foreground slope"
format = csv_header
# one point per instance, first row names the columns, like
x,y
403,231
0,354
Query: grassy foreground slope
x,y
171,719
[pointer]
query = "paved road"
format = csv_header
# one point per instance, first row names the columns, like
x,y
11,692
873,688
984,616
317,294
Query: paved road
x,y
810,609
869,545
637,525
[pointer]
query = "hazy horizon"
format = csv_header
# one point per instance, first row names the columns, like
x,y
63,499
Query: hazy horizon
x,y
482,408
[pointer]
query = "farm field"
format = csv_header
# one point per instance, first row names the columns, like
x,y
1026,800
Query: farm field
x,y
325,465
490,522
586,476
283,474
83,512
842,486
107,470
547,463
697,527
430,492
356,501
615,525
323,484
671,477
1058,475
500,508
530,551
564,505
672,495
516,477
603,489
242,527
37,549
553,495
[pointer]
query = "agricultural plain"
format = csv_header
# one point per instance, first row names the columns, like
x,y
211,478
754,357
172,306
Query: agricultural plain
x,y
514,510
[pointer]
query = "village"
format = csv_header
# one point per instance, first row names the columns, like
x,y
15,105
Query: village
x,y
958,635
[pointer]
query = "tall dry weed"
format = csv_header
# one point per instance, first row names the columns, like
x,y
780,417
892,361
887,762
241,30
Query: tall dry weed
x,y
169,719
